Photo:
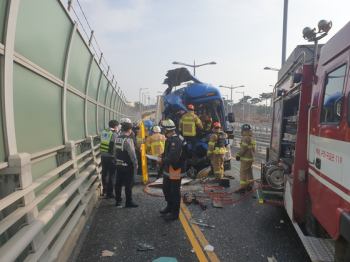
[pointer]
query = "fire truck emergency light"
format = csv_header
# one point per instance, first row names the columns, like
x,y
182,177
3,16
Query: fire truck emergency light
x,y
324,26
309,33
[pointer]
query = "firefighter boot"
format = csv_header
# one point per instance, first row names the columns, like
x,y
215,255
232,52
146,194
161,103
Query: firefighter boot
x,y
171,217
166,210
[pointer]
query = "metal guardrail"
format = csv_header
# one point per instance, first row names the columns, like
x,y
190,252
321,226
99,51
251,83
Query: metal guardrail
x,y
55,100
262,134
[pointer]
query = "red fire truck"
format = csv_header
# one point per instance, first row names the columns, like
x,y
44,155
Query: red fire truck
x,y
307,166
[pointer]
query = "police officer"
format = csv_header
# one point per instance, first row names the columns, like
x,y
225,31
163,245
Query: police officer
x,y
187,127
155,144
174,167
126,163
108,138
246,155
217,149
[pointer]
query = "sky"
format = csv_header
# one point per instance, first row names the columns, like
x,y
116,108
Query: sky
x,y
141,38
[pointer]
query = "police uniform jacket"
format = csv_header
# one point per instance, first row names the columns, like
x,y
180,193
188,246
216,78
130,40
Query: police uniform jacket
x,y
111,148
125,151
174,164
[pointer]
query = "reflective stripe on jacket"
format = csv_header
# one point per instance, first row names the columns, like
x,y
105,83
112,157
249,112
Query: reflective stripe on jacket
x,y
155,144
188,124
139,137
247,150
212,142
106,137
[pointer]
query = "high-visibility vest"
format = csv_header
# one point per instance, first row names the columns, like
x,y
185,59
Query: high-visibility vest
x,y
106,137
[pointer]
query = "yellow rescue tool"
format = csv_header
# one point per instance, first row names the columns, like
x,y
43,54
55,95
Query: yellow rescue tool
x,y
143,154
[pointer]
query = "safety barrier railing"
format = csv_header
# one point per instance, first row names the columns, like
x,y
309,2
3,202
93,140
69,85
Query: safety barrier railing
x,y
82,171
262,140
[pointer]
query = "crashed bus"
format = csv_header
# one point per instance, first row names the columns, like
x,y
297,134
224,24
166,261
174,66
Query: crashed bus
x,y
206,100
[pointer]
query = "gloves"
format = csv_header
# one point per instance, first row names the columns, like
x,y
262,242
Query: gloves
x,y
238,157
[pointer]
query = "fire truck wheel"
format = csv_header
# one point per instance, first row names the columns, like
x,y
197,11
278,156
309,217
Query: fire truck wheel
x,y
312,226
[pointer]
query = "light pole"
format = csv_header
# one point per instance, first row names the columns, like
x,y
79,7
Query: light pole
x,y
231,92
284,37
243,103
140,100
226,101
142,94
271,68
194,65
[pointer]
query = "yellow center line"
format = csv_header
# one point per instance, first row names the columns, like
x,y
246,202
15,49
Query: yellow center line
x,y
253,165
192,238
212,256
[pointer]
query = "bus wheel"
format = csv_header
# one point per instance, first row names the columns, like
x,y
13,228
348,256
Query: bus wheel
x,y
312,226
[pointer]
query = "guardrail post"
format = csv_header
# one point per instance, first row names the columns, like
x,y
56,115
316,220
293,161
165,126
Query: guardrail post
x,y
20,166
89,145
66,154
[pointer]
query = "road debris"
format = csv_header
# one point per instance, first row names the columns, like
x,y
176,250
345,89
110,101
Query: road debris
x,y
107,253
145,247
209,248
281,221
216,204
165,259
271,259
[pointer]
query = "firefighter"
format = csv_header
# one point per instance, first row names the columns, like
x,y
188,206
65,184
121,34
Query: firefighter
x,y
126,164
217,149
187,127
246,155
108,137
207,123
155,144
173,162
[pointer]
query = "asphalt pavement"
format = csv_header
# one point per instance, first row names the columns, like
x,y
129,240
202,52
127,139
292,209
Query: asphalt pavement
x,y
244,232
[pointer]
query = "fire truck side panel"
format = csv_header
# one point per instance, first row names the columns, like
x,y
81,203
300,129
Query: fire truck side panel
x,y
300,186
329,176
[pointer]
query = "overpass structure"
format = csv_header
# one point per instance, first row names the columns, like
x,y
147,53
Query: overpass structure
x,y
56,97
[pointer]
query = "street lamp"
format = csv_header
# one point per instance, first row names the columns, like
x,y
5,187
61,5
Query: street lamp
x,y
243,103
194,65
231,92
225,104
140,100
142,94
271,68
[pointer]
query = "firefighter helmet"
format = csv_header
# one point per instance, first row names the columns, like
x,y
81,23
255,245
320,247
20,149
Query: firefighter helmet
x,y
206,118
168,124
246,127
190,107
148,124
156,129
217,125
125,120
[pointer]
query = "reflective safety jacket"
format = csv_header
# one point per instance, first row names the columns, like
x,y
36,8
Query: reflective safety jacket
x,y
107,142
207,126
155,144
174,157
247,151
139,138
217,143
188,124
